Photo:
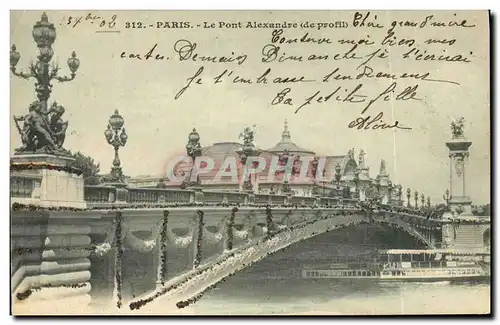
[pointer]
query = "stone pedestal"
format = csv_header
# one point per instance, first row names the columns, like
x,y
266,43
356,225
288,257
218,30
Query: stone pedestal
x,y
59,185
462,204
459,202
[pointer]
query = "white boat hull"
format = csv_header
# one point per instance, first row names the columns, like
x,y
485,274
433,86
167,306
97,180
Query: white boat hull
x,y
402,275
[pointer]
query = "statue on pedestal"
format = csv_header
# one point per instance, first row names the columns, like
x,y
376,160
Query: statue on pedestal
x,y
42,132
350,154
383,167
248,136
361,159
457,128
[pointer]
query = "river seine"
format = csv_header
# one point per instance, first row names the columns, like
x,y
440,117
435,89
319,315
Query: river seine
x,y
274,286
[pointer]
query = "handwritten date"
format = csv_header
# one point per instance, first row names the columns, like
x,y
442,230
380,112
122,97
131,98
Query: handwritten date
x,y
90,18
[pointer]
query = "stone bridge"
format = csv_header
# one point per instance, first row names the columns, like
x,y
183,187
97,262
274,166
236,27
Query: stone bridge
x,y
170,246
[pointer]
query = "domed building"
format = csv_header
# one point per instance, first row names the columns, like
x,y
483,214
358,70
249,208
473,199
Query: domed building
x,y
226,156
286,144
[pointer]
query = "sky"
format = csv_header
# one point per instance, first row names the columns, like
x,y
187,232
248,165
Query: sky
x,y
158,125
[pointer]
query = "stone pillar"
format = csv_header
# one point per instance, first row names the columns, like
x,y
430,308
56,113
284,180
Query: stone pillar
x,y
50,261
458,148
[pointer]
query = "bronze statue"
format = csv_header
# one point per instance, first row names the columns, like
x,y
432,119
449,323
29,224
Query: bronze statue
x,y
361,159
457,128
383,167
350,154
57,125
42,132
248,136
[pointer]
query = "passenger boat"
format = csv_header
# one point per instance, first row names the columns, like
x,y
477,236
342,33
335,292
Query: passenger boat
x,y
408,265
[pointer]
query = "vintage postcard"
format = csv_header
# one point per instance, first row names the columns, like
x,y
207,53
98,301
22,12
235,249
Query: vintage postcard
x,y
250,162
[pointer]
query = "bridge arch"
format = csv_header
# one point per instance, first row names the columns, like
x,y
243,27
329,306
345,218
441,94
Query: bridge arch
x,y
253,252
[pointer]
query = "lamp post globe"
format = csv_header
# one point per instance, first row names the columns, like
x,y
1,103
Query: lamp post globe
x,y
116,120
14,56
73,62
194,136
44,34
108,133
123,137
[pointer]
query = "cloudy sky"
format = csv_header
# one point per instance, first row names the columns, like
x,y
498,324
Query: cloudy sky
x,y
158,125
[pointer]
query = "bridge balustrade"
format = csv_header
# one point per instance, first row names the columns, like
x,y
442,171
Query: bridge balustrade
x,y
302,200
217,197
350,203
158,195
329,201
99,194
104,196
275,199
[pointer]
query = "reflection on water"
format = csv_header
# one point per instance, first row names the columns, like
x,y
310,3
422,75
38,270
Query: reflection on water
x,y
326,297
275,286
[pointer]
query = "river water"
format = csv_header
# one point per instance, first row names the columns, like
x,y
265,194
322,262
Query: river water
x,y
274,286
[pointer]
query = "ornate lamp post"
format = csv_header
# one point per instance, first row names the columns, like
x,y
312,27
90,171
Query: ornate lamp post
x,y
44,34
248,150
422,201
356,184
117,137
193,150
408,195
314,170
46,133
283,161
337,173
447,197
337,177
378,196
429,202
400,194
416,199
389,192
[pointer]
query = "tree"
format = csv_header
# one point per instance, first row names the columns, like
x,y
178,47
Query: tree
x,y
89,167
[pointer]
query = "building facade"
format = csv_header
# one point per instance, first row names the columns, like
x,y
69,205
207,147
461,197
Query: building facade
x,y
337,171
